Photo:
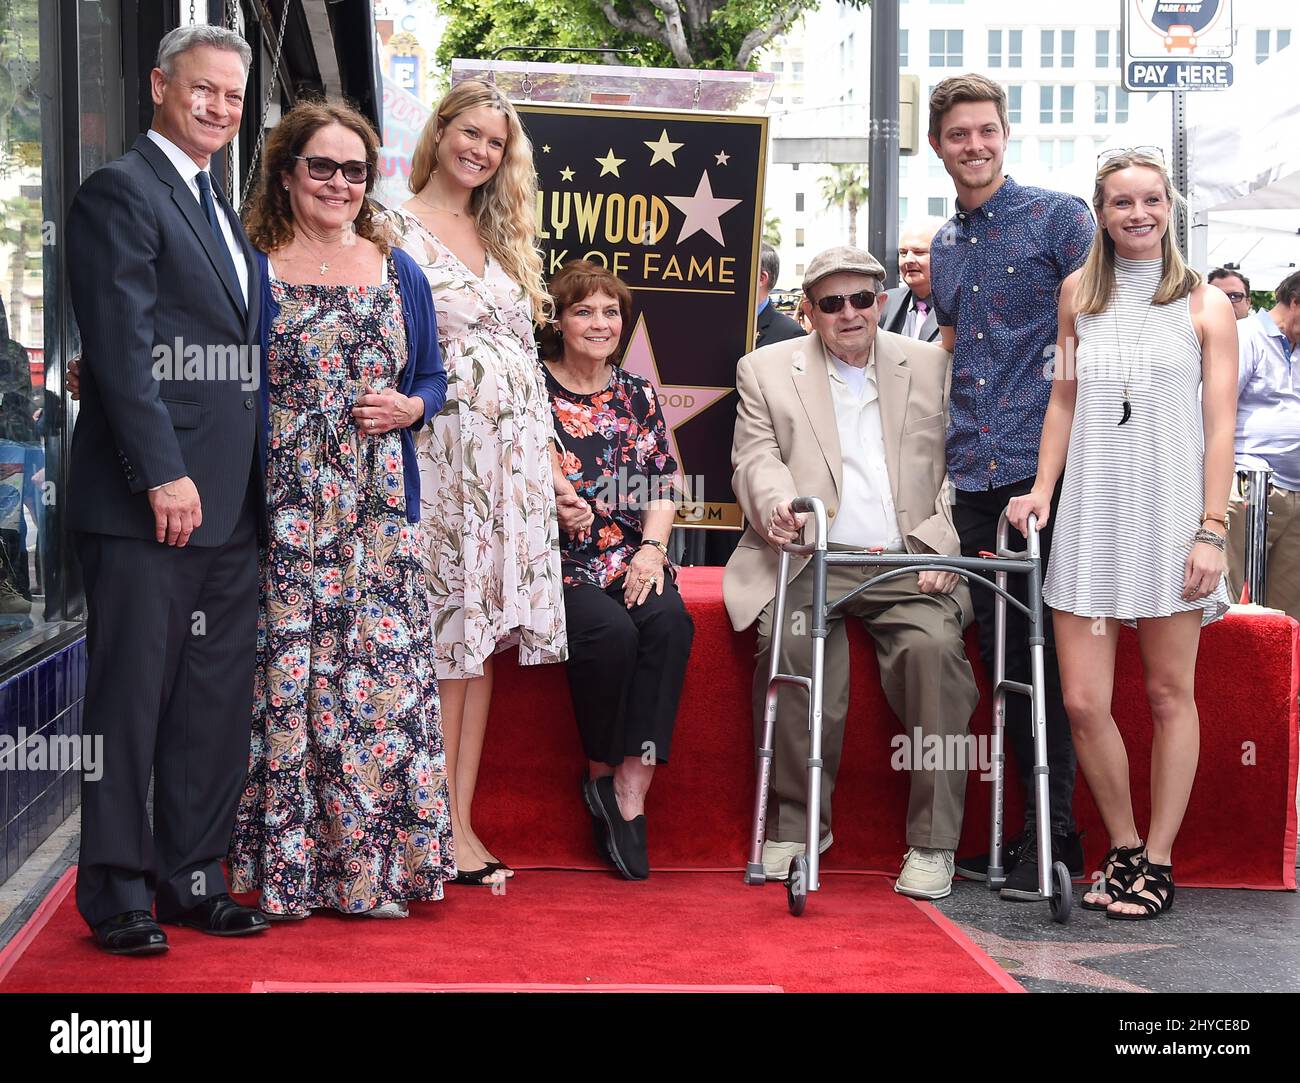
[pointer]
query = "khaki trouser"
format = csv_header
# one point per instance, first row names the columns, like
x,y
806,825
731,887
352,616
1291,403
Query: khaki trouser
x,y
1282,562
925,676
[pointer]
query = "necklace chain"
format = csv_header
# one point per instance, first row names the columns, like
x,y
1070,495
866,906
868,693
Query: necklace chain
x,y
324,263
435,207
1119,347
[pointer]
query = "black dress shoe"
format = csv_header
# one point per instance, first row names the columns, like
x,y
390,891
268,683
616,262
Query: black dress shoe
x,y
132,933
625,839
222,916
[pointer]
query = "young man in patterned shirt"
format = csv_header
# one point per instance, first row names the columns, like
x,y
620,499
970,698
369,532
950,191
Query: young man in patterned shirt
x,y
996,268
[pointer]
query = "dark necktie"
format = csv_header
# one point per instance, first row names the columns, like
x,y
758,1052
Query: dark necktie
x,y
210,212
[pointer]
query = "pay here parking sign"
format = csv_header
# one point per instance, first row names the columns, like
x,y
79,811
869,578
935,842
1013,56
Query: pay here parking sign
x,y
1177,44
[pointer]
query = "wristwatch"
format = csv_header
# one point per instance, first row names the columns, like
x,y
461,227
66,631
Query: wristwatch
x,y
658,545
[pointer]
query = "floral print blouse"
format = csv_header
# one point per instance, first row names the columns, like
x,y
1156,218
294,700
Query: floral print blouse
x,y
613,447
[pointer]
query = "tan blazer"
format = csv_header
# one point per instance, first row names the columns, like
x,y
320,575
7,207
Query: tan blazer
x,y
787,445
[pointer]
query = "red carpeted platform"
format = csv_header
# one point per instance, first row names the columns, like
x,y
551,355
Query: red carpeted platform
x,y
550,931
1240,829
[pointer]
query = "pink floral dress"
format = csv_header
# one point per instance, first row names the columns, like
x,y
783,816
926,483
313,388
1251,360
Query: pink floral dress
x,y
488,501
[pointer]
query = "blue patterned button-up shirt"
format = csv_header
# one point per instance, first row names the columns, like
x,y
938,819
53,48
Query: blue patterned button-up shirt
x,y
996,274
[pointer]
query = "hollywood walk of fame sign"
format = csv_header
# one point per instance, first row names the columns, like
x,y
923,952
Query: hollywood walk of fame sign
x,y
671,202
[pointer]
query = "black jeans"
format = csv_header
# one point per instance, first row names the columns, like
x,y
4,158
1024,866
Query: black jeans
x,y
626,668
975,515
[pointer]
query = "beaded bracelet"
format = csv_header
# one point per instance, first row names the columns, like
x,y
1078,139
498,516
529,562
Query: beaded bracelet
x,y
1210,538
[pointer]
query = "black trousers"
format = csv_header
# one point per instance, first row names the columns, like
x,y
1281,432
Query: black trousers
x,y
626,668
975,515
171,639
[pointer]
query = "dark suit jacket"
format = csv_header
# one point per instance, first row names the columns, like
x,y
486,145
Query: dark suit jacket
x,y
147,274
774,326
894,318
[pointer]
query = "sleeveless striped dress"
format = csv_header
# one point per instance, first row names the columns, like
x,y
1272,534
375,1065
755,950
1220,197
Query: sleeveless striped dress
x,y
1134,493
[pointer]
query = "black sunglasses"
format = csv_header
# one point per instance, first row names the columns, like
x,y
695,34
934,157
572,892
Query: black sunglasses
x,y
1235,297
832,304
323,169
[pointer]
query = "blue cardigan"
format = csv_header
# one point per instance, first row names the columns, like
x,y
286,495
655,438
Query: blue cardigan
x,y
423,377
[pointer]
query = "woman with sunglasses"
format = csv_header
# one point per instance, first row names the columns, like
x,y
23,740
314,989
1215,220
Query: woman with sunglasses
x,y
345,806
1141,422
488,473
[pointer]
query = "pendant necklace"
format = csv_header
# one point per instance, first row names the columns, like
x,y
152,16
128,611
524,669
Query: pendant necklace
x,y
324,263
1128,376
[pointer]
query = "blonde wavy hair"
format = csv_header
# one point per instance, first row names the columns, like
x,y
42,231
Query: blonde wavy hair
x,y
1098,277
505,208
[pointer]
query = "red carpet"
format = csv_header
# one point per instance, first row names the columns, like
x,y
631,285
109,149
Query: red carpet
x,y
1240,829
551,931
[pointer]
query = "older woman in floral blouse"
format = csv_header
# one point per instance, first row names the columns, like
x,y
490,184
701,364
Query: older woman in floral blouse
x,y
629,633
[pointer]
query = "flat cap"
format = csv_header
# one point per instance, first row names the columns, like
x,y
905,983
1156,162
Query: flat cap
x,y
841,258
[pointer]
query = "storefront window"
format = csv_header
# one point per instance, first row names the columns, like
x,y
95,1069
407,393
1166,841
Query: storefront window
x,y
28,230
39,592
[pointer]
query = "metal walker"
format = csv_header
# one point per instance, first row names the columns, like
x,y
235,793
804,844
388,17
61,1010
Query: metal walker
x,y
1054,884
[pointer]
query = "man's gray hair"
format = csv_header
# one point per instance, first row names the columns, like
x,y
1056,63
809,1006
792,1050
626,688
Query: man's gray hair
x,y
770,263
185,38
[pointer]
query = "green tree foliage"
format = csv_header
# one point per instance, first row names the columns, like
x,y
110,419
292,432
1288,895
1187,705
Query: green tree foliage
x,y
771,228
666,33
846,186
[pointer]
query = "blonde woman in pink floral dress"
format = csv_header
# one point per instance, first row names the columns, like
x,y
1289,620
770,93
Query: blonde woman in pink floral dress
x,y
488,479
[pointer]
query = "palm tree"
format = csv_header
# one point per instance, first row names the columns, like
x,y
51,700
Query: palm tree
x,y
771,228
846,186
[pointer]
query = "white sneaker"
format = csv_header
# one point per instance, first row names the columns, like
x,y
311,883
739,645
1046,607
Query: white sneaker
x,y
927,874
396,909
778,855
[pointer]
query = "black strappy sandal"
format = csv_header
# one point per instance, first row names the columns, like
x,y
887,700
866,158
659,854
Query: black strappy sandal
x,y
1121,867
1153,890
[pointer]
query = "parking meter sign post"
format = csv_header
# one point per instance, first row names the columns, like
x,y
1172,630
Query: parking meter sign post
x,y
1177,44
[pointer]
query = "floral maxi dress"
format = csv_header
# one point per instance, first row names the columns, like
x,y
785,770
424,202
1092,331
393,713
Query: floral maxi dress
x,y
345,804
485,472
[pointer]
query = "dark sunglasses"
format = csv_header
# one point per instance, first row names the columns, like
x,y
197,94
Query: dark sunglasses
x,y
323,169
832,304
1235,297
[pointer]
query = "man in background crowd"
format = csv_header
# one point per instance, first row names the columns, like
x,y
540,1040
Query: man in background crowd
x,y
1236,286
1268,436
772,326
909,309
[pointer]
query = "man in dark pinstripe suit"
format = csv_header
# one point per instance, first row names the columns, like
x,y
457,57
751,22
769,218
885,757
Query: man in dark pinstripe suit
x,y
165,501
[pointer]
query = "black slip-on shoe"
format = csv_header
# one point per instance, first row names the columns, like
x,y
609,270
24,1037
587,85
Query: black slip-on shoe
x,y
626,839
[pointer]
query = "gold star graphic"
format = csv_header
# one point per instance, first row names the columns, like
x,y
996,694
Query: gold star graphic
x,y
722,157
546,148
663,149
610,164
566,173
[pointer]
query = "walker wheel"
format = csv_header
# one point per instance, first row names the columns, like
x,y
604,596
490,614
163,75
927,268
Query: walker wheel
x,y
1062,893
796,885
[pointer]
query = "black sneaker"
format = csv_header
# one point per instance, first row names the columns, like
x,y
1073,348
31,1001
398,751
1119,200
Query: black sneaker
x,y
1022,883
977,868
599,837
626,839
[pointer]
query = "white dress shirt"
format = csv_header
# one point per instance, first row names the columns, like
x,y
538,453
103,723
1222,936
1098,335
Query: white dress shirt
x,y
189,169
866,516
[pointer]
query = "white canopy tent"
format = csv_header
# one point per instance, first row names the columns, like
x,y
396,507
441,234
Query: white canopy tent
x,y
1243,167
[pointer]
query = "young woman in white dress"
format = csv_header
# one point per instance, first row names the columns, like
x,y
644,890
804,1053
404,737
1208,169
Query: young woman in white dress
x,y
1141,421
489,476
